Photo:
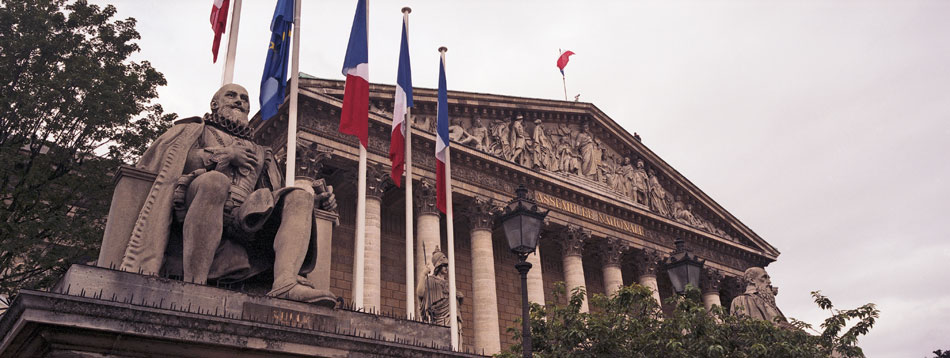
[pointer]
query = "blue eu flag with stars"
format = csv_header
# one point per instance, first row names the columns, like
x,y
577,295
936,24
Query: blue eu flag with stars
x,y
275,66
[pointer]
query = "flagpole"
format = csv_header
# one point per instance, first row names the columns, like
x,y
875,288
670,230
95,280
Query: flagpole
x,y
228,75
410,256
564,81
359,254
450,232
291,162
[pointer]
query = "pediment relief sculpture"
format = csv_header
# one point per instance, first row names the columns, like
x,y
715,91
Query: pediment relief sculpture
x,y
574,151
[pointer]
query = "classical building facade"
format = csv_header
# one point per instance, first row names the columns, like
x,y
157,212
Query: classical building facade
x,y
615,206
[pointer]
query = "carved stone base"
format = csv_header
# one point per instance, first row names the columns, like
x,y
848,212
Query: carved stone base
x,y
96,312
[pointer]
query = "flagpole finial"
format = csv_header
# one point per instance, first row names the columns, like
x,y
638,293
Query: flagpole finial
x,y
443,49
406,10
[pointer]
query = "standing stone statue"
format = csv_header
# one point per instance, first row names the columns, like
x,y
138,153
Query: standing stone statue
x,y
218,208
541,149
518,141
501,146
570,161
658,196
481,135
640,183
433,292
590,155
758,301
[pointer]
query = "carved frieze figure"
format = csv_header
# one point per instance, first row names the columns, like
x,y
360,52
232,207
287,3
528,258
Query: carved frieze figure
x,y
640,183
541,151
458,134
758,301
500,141
518,142
611,168
570,160
658,196
433,292
218,208
586,148
682,214
481,135
624,183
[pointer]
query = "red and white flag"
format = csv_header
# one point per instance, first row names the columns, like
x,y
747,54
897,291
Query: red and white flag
x,y
219,20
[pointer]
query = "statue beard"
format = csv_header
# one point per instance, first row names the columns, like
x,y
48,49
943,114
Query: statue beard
x,y
232,115
765,291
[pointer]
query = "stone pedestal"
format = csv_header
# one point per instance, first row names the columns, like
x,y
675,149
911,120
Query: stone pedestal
x,y
324,222
96,312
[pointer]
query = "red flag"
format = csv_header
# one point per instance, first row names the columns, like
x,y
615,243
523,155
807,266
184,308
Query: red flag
x,y
219,20
562,60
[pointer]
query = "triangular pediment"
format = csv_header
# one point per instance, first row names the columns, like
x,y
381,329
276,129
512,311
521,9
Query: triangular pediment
x,y
571,141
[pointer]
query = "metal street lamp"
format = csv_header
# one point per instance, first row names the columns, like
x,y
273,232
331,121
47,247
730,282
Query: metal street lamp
x,y
683,267
521,220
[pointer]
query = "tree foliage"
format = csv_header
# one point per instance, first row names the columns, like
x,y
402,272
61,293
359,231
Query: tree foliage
x,y
630,324
68,98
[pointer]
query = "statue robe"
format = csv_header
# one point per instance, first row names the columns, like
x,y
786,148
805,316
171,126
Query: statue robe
x,y
155,232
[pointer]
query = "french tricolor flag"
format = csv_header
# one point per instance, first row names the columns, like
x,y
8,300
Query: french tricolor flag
x,y
354,119
442,138
397,143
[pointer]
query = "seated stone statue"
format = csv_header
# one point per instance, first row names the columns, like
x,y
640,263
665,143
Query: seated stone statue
x,y
758,301
218,208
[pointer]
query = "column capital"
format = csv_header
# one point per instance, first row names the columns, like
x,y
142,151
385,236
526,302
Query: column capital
x,y
310,159
612,250
572,240
425,197
481,213
377,180
710,280
647,261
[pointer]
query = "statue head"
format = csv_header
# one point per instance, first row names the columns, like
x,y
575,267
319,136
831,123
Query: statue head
x,y
439,261
640,163
519,118
757,281
231,102
537,121
626,160
478,122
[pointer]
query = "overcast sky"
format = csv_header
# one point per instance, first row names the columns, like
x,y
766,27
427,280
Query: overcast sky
x,y
822,125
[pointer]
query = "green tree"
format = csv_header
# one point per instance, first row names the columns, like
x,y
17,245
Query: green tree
x,y
629,324
68,98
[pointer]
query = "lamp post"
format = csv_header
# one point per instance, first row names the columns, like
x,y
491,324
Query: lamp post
x,y
521,220
683,267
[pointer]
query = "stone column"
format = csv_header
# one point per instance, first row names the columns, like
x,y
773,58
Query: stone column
x,y
710,282
572,250
485,297
647,262
611,254
535,277
377,181
428,234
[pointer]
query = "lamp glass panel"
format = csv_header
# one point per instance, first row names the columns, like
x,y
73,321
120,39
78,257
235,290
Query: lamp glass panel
x,y
693,271
512,227
530,231
678,276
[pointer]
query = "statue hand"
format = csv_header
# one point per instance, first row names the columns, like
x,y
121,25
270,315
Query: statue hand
x,y
327,199
242,156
